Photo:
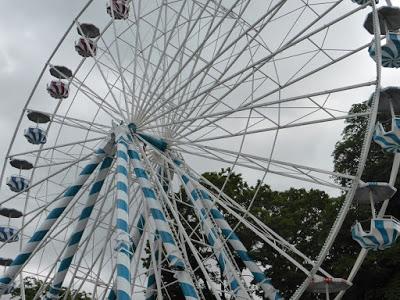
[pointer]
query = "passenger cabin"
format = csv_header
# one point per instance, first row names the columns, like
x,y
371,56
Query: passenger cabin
x,y
35,135
118,9
17,183
388,140
382,234
8,234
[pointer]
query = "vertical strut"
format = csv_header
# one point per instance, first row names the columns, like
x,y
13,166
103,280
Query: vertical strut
x,y
124,250
226,265
174,256
198,193
79,229
136,235
23,257
156,212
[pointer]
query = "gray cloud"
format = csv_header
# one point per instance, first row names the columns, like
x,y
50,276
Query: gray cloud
x,y
30,31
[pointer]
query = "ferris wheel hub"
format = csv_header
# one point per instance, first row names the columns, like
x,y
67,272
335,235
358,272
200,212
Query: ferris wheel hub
x,y
131,130
183,92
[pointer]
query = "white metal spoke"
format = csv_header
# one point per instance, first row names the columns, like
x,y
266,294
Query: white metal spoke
x,y
250,90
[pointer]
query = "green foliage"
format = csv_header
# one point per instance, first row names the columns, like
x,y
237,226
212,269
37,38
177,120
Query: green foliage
x,y
379,274
32,286
298,215
304,218
347,151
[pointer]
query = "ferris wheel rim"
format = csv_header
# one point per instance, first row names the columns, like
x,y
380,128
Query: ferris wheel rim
x,y
377,83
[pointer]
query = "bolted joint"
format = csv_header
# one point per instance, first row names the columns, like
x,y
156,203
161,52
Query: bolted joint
x,y
123,246
132,127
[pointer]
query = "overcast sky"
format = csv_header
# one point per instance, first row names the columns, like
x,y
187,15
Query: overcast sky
x,y
28,34
29,31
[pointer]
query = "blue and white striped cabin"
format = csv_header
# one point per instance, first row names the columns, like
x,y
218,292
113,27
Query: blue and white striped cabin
x,y
390,140
17,183
390,51
35,135
8,234
383,233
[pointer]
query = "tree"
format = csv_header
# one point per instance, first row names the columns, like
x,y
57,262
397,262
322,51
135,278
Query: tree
x,y
347,151
32,286
379,277
304,218
300,216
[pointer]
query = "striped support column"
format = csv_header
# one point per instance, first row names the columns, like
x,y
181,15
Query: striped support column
x,y
225,264
17,264
151,276
156,213
79,229
124,250
241,251
136,234
198,192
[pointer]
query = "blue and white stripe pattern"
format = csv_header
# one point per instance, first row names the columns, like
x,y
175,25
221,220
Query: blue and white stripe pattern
x,y
174,256
35,135
112,295
186,285
13,270
8,234
79,229
17,183
136,234
156,212
151,276
240,249
389,141
383,234
390,51
200,195
124,248
227,268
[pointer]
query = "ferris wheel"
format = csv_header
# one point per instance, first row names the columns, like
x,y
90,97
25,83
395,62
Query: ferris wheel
x,y
139,98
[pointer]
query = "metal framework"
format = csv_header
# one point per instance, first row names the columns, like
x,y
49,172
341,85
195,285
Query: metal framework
x,y
161,92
